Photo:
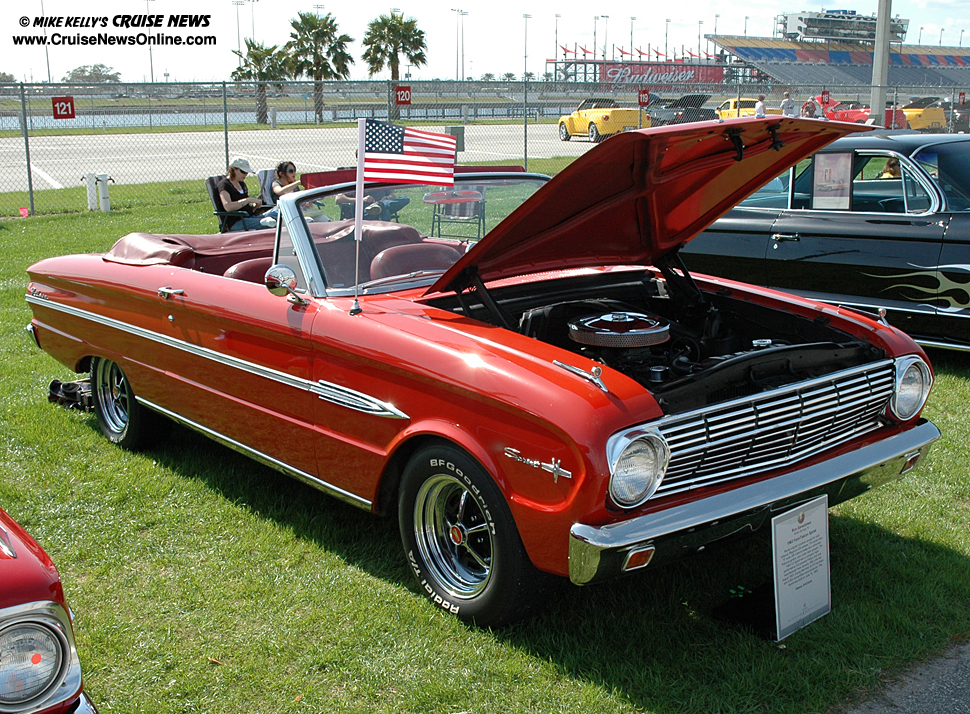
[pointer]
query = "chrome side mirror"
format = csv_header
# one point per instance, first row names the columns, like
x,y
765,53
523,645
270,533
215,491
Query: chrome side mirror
x,y
281,280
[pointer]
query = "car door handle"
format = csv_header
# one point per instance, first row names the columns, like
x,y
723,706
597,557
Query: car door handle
x,y
781,237
166,293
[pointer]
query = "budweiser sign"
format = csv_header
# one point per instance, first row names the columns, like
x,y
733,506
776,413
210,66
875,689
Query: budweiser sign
x,y
664,73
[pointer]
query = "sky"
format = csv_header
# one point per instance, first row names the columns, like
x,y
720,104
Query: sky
x,y
497,38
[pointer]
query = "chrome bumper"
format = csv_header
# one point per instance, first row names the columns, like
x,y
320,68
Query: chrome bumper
x,y
85,706
599,552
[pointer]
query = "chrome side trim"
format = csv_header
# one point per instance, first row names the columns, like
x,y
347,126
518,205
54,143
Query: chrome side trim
x,y
327,391
355,400
597,552
943,345
264,459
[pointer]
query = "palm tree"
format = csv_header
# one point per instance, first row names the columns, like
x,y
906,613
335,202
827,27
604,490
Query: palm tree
x,y
260,64
488,77
388,37
509,76
317,51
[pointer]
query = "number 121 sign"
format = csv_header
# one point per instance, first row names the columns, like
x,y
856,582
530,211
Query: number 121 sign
x,y
63,107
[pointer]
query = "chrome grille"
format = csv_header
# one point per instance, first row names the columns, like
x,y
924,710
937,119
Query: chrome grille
x,y
775,428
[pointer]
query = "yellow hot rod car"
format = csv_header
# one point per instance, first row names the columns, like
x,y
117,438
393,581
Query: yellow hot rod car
x,y
599,118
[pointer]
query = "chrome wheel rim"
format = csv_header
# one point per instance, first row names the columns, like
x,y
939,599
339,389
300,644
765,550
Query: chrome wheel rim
x,y
453,536
593,132
114,395
563,133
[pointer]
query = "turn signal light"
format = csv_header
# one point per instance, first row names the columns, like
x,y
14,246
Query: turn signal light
x,y
639,558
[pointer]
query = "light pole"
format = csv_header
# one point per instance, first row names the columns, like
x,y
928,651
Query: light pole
x,y
151,65
941,36
595,20
462,14
252,17
961,38
715,24
237,3
525,91
666,35
631,37
318,8
556,53
919,39
699,23
457,21
49,57
606,35
746,18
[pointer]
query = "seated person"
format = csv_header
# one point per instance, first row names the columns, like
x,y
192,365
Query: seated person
x,y
234,195
285,181
891,170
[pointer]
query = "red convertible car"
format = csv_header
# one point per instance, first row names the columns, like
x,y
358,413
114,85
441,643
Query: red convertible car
x,y
520,369
39,668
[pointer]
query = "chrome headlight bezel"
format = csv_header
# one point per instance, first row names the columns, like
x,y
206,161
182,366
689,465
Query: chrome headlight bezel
x,y
53,619
907,367
621,448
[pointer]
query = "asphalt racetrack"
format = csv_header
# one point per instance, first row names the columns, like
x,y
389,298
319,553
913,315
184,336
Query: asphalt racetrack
x,y
63,161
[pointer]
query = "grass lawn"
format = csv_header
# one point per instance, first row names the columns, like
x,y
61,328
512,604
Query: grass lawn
x,y
204,582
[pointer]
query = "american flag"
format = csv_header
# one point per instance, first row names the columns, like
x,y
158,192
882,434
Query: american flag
x,y
394,154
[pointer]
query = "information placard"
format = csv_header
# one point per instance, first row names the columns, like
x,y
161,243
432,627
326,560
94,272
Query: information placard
x,y
63,107
403,94
800,549
643,97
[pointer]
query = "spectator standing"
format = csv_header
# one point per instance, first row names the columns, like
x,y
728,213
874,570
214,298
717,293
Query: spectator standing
x,y
788,106
759,107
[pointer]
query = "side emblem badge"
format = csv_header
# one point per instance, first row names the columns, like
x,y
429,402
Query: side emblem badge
x,y
554,468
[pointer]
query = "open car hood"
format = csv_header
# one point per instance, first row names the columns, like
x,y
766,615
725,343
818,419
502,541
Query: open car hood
x,y
640,195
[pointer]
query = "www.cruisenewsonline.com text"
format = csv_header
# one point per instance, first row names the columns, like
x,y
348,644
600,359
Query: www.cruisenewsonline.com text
x,y
146,22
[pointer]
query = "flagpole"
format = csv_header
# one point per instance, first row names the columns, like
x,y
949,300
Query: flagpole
x,y
358,210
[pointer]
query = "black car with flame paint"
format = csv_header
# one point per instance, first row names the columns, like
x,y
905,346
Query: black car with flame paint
x,y
873,221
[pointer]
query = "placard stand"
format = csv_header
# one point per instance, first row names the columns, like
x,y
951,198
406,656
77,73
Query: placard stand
x,y
801,590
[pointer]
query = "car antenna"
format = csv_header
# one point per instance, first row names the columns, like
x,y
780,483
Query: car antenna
x,y
358,212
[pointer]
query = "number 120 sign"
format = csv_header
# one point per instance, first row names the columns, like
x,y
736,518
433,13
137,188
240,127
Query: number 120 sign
x,y
403,95
63,107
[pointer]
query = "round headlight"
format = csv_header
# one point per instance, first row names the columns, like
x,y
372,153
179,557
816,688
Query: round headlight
x,y
913,380
31,662
639,470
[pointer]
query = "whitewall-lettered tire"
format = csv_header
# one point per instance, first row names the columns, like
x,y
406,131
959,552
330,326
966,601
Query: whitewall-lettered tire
x,y
461,542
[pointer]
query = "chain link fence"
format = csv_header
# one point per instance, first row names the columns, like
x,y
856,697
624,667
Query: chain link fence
x,y
144,137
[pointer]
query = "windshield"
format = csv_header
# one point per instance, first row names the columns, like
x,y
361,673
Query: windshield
x,y
411,233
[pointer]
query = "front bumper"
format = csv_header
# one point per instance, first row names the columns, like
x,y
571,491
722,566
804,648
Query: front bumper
x,y
85,706
599,553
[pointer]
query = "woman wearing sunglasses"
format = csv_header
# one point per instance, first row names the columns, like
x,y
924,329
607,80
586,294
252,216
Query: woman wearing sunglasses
x,y
285,180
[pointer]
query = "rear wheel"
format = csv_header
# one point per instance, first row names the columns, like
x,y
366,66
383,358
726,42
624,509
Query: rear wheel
x,y
121,418
461,541
563,132
594,133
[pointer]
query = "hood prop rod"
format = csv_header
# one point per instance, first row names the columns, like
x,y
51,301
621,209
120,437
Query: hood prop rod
x,y
487,301
683,283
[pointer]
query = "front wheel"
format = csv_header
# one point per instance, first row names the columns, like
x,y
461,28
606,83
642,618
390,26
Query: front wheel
x,y
594,133
563,132
461,541
121,418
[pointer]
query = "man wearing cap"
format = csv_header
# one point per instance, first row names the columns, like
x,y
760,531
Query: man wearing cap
x,y
235,196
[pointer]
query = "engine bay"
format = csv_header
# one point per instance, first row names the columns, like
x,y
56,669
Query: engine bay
x,y
689,348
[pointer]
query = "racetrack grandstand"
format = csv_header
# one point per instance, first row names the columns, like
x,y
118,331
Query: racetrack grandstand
x,y
835,63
